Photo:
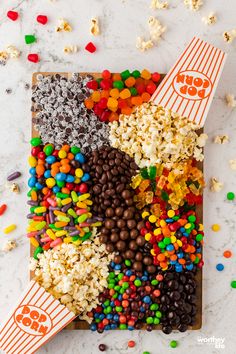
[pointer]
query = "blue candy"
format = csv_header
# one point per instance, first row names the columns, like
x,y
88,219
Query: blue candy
x,y
130,328
144,278
38,185
189,266
169,220
116,318
80,157
117,267
180,255
60,177
128,272
85,177
31,182
220,267
56,189
113,326
147,299
32,171
178,268
47,174
170,247
50,159
93,327
70,179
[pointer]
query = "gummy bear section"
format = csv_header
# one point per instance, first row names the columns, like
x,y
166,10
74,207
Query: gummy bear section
x,y
77,324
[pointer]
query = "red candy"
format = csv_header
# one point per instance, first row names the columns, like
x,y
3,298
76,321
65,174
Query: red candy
x,y
156,77
42,19
90,47
92,85
106,74
34,58
83,188
3,209
131,343
13,15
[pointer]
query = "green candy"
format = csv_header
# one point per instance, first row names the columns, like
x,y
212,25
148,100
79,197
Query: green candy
x,y
144,173
48,149
149,320
75,150
122,326
115,296
62,195
197,260
72,213
136,74
230,196
30,38
110,286
199,237
161,244
35,141
164,195
233,284
37,251
112,275
106,303
133,91
118,84
152,172
109,309
122,291
158,314
137,282
128,262
154,307
192,218
120,276
125,285
82,218
156,321
173,344
117,288
75,238
52,226
119,308
167,240
125,74
154,282
86,236
146,353
61,184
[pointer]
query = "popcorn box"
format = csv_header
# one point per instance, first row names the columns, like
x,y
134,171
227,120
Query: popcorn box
x,y
189,87
35,320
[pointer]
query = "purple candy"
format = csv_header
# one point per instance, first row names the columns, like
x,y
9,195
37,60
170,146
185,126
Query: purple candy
x,y
32,203
30,216
13,176
66,207
51,217
75,233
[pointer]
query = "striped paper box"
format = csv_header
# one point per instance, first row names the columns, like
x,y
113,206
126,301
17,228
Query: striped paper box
x,y
189,87
35,320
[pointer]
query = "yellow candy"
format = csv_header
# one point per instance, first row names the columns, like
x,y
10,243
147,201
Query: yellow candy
x,y
215,227
200,227
125,94
40,210
148,237
112,102
9,229
88,202
144,185
62,154
136,180
171,213
145,214
152,218
60,233
81,205
66,201
187,226
59,224
145,74
83,197
50,182
32,161
34,242
173,239
153,253
79,172
51,234
162,223
157,231
58,212
67,239
74,196
96,96
77,180
77,242
179,243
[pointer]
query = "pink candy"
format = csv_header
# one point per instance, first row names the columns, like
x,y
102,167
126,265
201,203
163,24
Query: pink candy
x,y
56,242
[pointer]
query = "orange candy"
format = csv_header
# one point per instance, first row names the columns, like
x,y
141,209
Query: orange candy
x,y
145,74
40,169
115,93
54,171
45,190
161,257
163,265
64,161
65,190
130,81
34,196
127,111
136,100
146,96
89,103
113,116
96,96
116,77
105,94
125,93
227,254
66,148
70,156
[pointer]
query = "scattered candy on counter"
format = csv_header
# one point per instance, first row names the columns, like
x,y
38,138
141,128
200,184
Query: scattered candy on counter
x,y
215,227
13,176
30,38
42,19
113,94
15,188
173,344
220,267
227,254
3,208
102,347
90,47
9,229
13,15
230,196
34,58
131,344
233,284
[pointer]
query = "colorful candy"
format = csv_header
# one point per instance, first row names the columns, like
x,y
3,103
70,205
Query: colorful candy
x,y
12,15
13,176
220,267
3,208
90,47
120,93
30,38
173,344
34,58
215,227
9,229
42,19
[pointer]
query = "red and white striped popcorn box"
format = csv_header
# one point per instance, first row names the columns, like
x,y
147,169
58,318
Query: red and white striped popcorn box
x,y
34,321
189,87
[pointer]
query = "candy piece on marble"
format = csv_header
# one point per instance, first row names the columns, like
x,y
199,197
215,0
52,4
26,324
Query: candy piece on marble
x,y
30,38
34,58
90,47
42,19
12,15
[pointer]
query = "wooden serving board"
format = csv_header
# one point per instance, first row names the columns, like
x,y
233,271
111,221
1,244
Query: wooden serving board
x,y
78,324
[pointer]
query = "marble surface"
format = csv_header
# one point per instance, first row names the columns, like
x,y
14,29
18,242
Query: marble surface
x,y
121,22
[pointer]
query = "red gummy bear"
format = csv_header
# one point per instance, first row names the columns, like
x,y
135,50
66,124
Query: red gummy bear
x,y
34,58
42,19
90,47
13,15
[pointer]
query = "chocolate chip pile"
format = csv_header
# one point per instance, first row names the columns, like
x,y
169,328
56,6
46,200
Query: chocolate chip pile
x,y
178,301
111,171
61,116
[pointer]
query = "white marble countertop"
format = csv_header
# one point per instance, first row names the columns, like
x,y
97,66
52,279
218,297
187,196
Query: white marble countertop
x,y
121,22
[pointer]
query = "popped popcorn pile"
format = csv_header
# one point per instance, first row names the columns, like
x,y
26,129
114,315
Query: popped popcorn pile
x,y
193,5
156,29
74,275
154,135
156,4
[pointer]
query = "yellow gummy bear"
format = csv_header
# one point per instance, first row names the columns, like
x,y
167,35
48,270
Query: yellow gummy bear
x,y
136,180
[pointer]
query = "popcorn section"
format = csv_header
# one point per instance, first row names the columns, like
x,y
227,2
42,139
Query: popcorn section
x,y
115,204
